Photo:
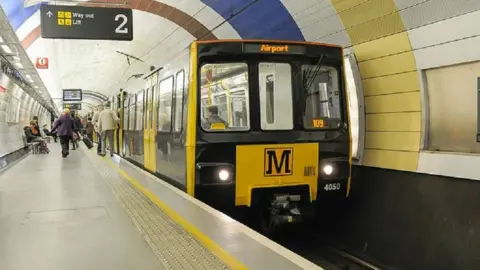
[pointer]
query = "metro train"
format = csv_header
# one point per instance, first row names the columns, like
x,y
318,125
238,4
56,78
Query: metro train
x,y
258,124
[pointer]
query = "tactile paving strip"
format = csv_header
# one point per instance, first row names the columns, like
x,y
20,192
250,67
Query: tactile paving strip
x,y
175,247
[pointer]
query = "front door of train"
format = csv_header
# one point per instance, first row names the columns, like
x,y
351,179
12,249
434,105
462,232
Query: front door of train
x,y
150,127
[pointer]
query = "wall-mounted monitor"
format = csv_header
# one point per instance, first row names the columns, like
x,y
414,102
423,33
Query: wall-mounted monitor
x,y
72,94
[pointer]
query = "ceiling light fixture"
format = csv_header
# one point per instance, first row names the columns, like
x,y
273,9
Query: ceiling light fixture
x,y
6,49
19,65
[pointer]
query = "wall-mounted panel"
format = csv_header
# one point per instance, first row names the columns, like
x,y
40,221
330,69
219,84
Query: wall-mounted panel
x,y
459,165
465,50
398,83
436,10
403,4
402,141
401,102
452,95
410,121
375,29
343,5
322,28
311,11
399,63
396,160
367,11
453,29
340,38
389,45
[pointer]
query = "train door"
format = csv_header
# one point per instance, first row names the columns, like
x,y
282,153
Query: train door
x,y
115,137
153,125
146,128
119,112
150,127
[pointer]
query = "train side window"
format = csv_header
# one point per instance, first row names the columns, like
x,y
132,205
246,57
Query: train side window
x,y
140,108
165,104
275,81
178,97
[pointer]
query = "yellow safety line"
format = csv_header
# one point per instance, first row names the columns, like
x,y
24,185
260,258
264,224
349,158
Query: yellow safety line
x,y
208,243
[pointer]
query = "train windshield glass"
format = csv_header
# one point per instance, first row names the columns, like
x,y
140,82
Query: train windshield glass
x,y
275,91
224,97
322,97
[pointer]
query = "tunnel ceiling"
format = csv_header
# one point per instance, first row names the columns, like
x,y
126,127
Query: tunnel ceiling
x,y
162,28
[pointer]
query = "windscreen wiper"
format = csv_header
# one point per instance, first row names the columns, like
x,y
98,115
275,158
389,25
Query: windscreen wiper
x,y
312,72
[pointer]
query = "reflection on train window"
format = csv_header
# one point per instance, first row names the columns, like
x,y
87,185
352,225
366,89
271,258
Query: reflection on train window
x,y
146,100
179,86
131,114
165,104
125,114
322,96
224,97
140,105
275,81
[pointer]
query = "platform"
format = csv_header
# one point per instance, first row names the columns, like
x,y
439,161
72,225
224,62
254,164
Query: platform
x,y
88,212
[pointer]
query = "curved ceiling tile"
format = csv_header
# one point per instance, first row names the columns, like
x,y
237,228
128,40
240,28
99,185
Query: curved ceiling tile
x,y
271,19
17,13
28,26
164,29
318,21
205,15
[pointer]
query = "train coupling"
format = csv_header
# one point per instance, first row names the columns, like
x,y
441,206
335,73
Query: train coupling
x,y
285,209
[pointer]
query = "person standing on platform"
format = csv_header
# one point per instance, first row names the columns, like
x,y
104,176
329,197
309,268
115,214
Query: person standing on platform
x,y
64,128
107,123
95,119
89,129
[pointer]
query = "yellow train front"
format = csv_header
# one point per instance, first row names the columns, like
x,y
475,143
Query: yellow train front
x,y
257,124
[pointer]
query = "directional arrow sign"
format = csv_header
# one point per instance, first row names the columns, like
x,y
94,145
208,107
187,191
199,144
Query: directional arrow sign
x,y
75,22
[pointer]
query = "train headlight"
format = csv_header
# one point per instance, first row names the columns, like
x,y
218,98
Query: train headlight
x,y
327,169
223,175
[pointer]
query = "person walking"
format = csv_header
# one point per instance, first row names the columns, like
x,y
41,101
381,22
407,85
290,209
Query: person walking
x,y
107,123
64,128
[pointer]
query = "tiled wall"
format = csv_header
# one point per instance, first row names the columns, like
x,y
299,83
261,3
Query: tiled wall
x,y
11,131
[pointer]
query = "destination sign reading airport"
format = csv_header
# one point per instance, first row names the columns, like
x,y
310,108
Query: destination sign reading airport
x,y
72,94
74,22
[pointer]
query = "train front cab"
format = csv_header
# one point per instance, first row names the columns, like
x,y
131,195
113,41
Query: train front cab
x,y
286,142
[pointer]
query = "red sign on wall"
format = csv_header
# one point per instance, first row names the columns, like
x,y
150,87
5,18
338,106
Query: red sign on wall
x,y
3,89
41,63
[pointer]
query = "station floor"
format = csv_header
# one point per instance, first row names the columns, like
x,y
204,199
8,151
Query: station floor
x,y
88,212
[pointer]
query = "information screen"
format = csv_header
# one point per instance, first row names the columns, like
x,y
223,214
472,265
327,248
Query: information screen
x,y
72,94
73,106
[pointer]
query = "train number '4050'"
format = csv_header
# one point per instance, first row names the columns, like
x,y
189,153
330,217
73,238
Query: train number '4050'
x,y
332,187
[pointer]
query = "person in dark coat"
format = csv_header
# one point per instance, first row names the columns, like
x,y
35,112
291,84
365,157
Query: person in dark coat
x,y
89,129
64,128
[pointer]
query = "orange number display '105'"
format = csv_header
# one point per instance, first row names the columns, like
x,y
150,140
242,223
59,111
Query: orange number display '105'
x,y
317,123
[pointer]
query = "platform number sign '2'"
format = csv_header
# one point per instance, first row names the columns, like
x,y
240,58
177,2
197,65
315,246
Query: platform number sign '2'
x,y
121,29
76,22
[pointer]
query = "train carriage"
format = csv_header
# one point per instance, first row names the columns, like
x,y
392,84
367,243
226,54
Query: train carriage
x,y
245,123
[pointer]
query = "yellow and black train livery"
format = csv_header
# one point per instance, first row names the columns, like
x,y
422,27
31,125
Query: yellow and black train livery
x,y
253,123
